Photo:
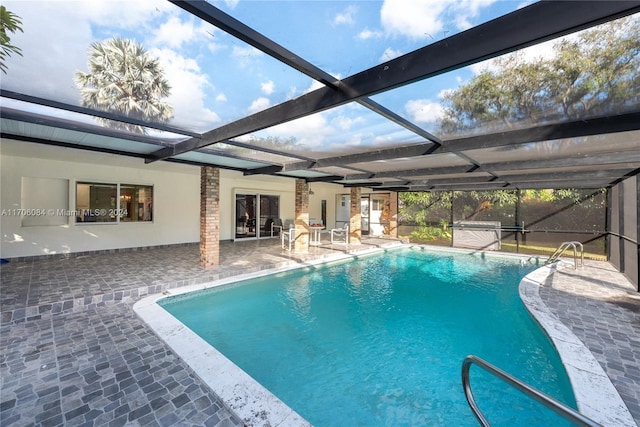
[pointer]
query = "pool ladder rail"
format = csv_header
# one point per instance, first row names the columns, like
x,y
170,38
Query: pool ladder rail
x,y
563,248
558,407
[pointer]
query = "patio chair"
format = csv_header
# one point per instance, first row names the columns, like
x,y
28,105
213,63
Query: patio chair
x,y
289,236
340,233
276,227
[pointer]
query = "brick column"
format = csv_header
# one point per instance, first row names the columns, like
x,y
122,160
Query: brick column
x,y
393,214
355,221
209,216
301,242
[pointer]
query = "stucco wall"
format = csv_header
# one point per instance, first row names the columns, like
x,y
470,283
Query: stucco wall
x,y
176,200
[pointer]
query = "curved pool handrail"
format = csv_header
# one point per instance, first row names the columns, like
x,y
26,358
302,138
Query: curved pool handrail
x,y
558,407
563,248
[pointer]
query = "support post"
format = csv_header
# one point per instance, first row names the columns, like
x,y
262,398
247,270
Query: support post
x,y
393,214
301,238
209,216
637,254
518,220
355,217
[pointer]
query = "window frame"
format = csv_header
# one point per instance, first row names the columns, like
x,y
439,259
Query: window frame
x,y
115,212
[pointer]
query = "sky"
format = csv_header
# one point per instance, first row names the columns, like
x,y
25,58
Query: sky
x,y
217,79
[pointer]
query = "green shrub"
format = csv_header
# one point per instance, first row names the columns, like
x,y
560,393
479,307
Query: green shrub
x,y
430,234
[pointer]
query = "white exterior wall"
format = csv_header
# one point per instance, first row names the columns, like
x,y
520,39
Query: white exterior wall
x,y
324,191
176,200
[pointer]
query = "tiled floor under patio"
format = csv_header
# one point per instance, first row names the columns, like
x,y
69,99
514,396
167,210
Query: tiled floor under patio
x,y
74,353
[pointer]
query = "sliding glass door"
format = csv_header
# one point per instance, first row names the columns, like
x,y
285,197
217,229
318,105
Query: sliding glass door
x,y
255,214
246,208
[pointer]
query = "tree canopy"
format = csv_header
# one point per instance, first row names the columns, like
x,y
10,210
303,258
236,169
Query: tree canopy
x,y
593,73
590,74
9,23
123,78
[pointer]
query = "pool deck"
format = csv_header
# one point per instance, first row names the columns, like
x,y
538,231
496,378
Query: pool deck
x,y
73,352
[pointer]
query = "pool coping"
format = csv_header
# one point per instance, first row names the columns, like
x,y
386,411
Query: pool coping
x,y
242,394
594,392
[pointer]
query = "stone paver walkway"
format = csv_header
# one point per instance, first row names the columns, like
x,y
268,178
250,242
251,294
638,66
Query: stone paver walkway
x,y
72,352
602,308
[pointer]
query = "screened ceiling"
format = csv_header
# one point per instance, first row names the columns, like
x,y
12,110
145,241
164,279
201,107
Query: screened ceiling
x,y
391,95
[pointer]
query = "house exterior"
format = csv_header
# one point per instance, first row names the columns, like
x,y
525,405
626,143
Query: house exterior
x,y
46,206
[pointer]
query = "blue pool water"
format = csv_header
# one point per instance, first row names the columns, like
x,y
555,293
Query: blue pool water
x,y
379,341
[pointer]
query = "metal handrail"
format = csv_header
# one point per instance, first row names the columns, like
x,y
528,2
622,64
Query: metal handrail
x,y
558,407
563,248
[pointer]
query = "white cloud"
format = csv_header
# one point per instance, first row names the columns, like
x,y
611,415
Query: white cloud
x,y
175,32
345,123
445,92
314,85
542,50
525,4
310,131
188,88
292,92
267,87
346,16
118,13
466,10
529,54
221,97
259,104
421,19
354,140
424,110
415,19
389,54
367,34
231,4
38,53
212,45
245,56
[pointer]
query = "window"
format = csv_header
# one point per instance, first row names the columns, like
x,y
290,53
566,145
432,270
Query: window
x,y
96,202
136,202
113,203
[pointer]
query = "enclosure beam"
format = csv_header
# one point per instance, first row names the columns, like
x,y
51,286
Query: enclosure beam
x,y
535,23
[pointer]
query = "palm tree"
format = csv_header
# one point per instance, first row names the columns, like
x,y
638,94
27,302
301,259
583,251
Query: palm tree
x,y
123,78
9,23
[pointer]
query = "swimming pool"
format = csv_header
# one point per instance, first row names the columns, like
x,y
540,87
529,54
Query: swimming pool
x,y
380,340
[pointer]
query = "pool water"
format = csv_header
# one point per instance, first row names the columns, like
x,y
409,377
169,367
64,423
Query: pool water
x,y
379,341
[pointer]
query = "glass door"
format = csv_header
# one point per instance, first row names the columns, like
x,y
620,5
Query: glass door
x,y
257,215
246,208
364,214
343,213
379,219
270,221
